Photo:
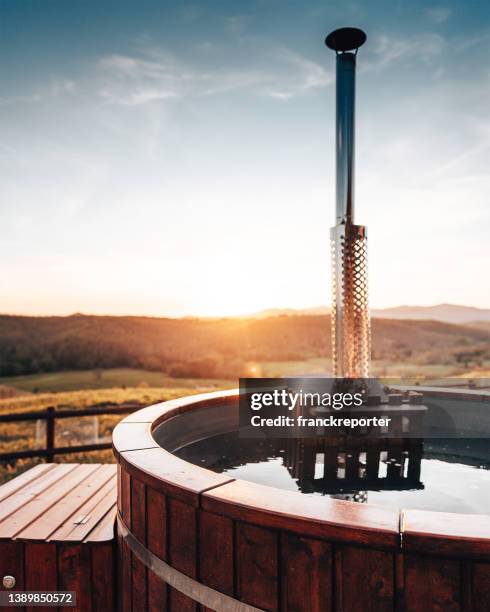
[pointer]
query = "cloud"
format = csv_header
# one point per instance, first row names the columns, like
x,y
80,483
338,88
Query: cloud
x,y
439,14
157,75
14,100
55,88
132,81
390,49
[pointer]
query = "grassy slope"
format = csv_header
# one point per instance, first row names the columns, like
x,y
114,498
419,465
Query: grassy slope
x,y
103,379
86,342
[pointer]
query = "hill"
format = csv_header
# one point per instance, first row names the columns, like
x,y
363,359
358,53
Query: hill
x,y
215,348
447,313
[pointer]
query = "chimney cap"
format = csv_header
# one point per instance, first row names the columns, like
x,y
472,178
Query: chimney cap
x,y
345,39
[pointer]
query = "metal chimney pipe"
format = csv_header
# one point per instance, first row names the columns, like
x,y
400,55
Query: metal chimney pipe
x,y
351,335
345,136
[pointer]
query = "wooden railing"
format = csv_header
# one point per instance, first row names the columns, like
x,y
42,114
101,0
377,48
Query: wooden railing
x,y
51,415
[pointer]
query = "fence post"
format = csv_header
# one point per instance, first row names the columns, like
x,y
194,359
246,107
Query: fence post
x,y
50,422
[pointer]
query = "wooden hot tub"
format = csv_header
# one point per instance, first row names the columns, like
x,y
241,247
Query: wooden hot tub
x,y
189,535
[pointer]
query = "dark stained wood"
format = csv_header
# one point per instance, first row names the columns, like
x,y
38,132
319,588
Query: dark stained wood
x,y
125,573
12,564
257,566
182,550
125,508
138,528
367,577
338,579
306,576
310,517
103,576
73,563
480,587
399,581
40,570
216,552
447,534
156,517
118,486
431,584
169,474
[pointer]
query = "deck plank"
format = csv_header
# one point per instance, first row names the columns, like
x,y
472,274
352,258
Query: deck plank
x,y
105,530
14,502
79,525
19,482
69,507
39,504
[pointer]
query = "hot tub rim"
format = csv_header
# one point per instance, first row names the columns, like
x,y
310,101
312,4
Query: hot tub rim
x,y
137,451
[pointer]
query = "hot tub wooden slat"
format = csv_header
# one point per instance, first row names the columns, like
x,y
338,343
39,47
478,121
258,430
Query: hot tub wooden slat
x,y
216,560
432,584
480,587
365,576
156,516
132,436
125,570
182,551
170,475
256,559
306,574
138,527
445,533
317,517
125,585
103,591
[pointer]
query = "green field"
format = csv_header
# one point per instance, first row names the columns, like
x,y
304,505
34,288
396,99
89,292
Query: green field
x,y
127,377
103,379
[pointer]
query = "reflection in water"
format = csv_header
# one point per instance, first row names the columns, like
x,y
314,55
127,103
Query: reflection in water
x,y
351,468
449,476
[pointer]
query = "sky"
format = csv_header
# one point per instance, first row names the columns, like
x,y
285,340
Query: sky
x,y
172,159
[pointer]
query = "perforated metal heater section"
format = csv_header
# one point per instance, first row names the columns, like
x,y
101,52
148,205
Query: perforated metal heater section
x,y
351,328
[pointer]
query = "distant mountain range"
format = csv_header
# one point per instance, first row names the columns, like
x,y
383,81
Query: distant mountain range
x,y
447,313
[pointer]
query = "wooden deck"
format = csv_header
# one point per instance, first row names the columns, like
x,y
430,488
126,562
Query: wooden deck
x,y
57,532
